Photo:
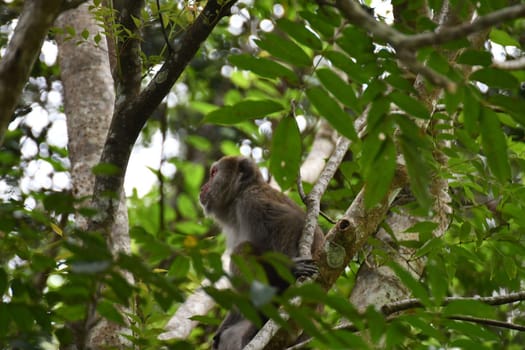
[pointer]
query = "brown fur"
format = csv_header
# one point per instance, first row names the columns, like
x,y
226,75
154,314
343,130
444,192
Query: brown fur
x,y
252,213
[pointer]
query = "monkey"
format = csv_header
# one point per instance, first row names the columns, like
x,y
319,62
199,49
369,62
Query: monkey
x,y
255,219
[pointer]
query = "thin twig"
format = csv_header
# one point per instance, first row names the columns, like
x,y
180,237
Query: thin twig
x,y
489,322
163,29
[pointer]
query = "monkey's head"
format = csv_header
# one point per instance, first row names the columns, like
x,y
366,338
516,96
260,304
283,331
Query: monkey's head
x,y
229,177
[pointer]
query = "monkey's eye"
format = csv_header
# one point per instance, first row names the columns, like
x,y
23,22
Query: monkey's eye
x,y
213,171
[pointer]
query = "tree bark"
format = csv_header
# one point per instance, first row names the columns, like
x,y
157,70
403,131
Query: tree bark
x,y
89,100
35,20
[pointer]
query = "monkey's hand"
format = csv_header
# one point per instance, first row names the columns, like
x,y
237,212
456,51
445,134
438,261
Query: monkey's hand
x,y
303,268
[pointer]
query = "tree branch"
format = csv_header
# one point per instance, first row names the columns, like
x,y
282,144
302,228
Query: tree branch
x,y
416,303
313,199
517,64
406,45
489,322
129,65
408,304
462,30
22,51
130,117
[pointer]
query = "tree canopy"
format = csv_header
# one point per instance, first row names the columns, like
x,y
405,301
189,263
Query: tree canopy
x,y
398,126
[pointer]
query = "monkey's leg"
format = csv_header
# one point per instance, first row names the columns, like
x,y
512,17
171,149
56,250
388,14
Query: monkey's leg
x,y
235,337
233,317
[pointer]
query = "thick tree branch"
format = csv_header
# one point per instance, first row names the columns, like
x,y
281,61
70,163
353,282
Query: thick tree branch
x,y
517,64
129,65
408,304
463,30
22,51
130,117
313,199
406,45
416,303
489,322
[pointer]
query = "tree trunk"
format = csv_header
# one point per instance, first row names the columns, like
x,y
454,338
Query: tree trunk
x,y
89,100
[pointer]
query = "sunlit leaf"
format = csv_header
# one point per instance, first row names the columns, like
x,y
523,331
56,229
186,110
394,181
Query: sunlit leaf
x,y
3,281
495,78
108,310
378,182
339,88
244,110
263,67
503,38
410,105
471,111
417,289
321,22
331,111
284,166
415,148
299,32
475,58
354,71
469,307
494,144
284,49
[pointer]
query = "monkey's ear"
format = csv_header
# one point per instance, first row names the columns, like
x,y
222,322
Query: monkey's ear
x,y
247,170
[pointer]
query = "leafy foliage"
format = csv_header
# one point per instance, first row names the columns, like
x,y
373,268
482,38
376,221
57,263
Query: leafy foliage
x,y
262,93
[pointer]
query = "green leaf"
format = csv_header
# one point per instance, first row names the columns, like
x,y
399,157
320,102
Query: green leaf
x,y
417,289
515,106
357,43
21,314
471,111
431,245
339,88
410,105
108,310
323,23
85,34
478,333
180,267
5,319
475,58
284,49
494,144
354,71
416,148
331,111
417,173
186,206
244,110
495,78
378,323
263,66
510,267
378,182
469,308
105,169
437,276
59,202
3,281
286,152
426,227
299,32
503,38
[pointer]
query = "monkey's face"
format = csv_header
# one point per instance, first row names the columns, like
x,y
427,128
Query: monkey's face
x,y
229,177
217,193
